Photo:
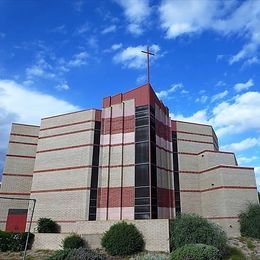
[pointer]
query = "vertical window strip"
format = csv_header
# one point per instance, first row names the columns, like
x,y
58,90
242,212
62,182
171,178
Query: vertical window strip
x,y
94,173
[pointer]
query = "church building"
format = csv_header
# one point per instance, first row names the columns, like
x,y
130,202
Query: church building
x,y
127,161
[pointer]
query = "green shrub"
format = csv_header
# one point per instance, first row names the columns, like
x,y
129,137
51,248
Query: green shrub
x,y
73,241
47,225
83,254
59,255
234,253
193,229
250,221
196,252
122,239
76,254
14,241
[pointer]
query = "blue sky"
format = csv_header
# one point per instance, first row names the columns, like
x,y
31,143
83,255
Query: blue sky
x,y
62,56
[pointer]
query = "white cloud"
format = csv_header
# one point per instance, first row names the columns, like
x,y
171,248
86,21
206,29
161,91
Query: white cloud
x,y
185,17
63,86
198,117
219,96
220,83
78,5
224,17
173,88
244,86
242,145
2,35
78,59
18,104
109,29
141,79
243,160
202,99
59,29
133,58
136,13
239,115
117,46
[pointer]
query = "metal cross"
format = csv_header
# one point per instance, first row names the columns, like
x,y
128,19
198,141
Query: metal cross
x,y
148,53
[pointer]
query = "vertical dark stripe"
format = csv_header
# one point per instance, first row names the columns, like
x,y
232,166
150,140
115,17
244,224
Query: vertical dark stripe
x,y
94,173
176,173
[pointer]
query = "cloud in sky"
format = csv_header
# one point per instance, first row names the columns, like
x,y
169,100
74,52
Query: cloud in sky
x,y
136,13
133,58
109,29
242,145
225,17
18,104
244,86
163,94
219,96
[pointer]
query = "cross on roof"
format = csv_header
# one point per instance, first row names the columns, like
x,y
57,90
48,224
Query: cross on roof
x,y
148,53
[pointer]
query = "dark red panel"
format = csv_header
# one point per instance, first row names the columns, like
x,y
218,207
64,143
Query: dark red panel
x,y
116,99
107,102
16,222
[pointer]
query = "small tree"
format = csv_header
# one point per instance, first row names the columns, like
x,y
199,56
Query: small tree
x,y
250,221
73,241
122,239
193,229
47,225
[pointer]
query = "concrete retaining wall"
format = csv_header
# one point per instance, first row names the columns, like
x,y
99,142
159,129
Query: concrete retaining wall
x,y
155,232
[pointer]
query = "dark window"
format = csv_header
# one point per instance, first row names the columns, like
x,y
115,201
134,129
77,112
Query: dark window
x,y
141,121
153,153
141,152
92,203
93,194
141,111
142,216
94,177
142,209
142,201
92,217
97,125
152,135
141,134
95,160
142,192
152,110
141,175
92,210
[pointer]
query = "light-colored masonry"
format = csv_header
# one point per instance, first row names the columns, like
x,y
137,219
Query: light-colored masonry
x,y
82,166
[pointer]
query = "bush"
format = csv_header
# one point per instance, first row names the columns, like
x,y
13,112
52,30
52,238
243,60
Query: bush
x,y
59,255
193,229
196,252
76,254
122,239
47,225
250,221
14,241
234,253
73,241
83,253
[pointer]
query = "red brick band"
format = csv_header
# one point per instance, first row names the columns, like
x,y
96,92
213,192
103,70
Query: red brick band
x,y
65,148
61,190
17,175
165,198
66,125
25,143
24,135
222,187
192,133
217,167
63,169
16,193
68,133
21,156
194,141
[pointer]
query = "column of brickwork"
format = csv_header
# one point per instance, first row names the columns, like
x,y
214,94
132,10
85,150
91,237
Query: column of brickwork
x,y
165,189
116,183
192,139
18,169
62,174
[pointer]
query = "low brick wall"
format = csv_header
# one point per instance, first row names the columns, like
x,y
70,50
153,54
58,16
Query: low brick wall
x,y
155,232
